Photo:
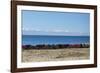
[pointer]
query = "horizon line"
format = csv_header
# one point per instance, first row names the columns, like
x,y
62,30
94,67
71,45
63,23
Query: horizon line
x,y
54,35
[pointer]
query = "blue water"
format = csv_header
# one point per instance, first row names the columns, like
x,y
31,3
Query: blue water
x,y
37,39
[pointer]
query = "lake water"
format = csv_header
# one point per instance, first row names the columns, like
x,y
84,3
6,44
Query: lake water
x,y
40,39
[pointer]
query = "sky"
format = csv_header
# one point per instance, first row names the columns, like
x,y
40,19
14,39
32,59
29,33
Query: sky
x,y
55,23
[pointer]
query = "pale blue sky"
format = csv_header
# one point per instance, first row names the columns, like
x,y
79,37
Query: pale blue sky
x,y
55,23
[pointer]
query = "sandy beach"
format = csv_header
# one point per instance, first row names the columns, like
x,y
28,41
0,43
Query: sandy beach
x,y
37,55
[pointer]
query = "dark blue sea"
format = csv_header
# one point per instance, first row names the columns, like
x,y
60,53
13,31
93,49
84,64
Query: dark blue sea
x,y
40,39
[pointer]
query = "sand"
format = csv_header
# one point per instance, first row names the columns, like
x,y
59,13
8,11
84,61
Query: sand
x,y
34,55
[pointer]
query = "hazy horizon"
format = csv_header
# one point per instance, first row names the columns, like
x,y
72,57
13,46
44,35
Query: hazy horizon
x,y
52,35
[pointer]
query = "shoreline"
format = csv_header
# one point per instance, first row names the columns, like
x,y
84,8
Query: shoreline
x,y
55,46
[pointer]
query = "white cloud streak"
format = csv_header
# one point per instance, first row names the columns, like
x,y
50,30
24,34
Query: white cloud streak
x,y
39,30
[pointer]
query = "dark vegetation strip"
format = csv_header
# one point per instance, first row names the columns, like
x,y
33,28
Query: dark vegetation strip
x,y
55,46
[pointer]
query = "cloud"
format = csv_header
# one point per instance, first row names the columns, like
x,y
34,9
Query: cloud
x,y
39,30
30,29
59,30
33,31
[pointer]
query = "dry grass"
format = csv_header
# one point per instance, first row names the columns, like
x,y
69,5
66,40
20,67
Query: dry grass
x,y
34,55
